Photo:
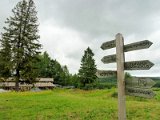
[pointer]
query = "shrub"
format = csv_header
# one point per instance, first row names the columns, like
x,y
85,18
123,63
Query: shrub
x,y
105,85
88,87
115,95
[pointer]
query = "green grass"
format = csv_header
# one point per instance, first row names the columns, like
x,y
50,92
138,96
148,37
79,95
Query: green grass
x,y
63,104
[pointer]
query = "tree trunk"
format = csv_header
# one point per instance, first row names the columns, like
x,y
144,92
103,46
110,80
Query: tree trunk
x,y
17,80
84,84
17,85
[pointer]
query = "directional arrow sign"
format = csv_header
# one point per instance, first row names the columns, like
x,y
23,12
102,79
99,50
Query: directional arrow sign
x,y
109,59
138,65
137,45
105,73
146,93
130,47
108,45
139,82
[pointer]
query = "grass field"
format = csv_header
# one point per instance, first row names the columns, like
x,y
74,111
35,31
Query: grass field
x,y
64,104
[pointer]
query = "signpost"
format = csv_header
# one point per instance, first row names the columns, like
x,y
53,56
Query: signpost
x,y
146,93
132,65
108,45
140,87
120,77
136,86
106,73
139,82
109,59
137,45
129,47
138,65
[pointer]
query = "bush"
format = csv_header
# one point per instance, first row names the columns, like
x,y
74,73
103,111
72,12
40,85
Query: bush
x,y
97,85
105,85
88,87
115,95
157,84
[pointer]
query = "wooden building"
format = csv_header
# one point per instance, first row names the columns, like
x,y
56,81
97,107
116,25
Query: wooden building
x,y
42,83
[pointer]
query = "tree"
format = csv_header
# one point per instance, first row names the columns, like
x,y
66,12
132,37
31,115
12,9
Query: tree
x,y
66,75
48,67
44,65
128,75
58,73
5,57
87,71
74,80
22,35
65,70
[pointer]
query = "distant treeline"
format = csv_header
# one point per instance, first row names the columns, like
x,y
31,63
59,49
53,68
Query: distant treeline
x,y
112,81
157,80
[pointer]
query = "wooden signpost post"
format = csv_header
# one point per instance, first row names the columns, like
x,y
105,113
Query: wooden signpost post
x,y
136,86
120,77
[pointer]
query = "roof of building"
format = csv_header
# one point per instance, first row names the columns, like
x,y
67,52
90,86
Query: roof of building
x,y
45,79
44,85
12,84
40,82
38,79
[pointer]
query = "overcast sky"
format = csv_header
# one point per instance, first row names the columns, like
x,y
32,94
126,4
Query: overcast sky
x,y
68,27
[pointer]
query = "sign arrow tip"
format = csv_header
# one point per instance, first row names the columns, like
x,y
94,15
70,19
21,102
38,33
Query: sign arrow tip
x,y
151,64
150,43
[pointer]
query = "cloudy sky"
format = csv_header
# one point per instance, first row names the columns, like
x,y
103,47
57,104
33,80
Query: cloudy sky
x,y
68,27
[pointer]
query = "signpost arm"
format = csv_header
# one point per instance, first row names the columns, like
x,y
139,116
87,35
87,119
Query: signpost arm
x,y
120,77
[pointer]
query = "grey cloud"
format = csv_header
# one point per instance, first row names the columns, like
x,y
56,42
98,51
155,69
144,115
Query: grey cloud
x,y
96,18
104,17
75,55
96,21
5,10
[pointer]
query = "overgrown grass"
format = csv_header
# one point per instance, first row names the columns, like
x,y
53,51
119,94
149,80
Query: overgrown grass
x,y
64,104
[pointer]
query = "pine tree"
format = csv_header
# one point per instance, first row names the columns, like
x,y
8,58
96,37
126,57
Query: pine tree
x,y
65,70
58,73
22,34
87,71
5,57
44,65
66,75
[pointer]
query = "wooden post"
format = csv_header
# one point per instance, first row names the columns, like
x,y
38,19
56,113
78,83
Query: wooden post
x,y
120,77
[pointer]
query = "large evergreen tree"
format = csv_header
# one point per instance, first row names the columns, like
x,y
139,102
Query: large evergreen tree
x,y
5,57
22,36
87,71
